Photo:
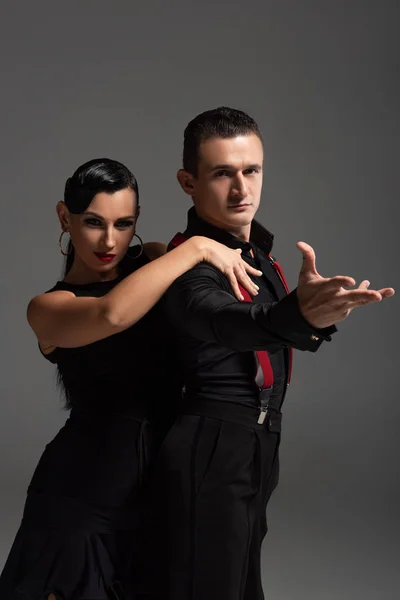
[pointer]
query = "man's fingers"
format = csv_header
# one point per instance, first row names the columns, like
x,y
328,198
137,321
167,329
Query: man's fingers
x,y
386,293
359,297
309,258
338,282
363,296
364,285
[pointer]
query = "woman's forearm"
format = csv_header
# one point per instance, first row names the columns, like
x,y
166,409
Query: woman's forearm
x,y
135,295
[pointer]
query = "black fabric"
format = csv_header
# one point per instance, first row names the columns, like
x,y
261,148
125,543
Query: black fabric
x,y
86,516
214,480
91,375
84,533
217,334
219,465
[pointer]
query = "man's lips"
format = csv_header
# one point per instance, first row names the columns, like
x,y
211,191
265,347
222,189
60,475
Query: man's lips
x,y
241,206
105,256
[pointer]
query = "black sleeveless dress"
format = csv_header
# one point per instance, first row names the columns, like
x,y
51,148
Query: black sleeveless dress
x,y
85,532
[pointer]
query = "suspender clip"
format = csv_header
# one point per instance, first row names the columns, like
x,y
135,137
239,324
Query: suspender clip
x,y
262,415
264,396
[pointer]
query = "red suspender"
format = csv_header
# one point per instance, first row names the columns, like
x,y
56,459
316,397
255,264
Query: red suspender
x,y
282,277
264,374
177,240
262,358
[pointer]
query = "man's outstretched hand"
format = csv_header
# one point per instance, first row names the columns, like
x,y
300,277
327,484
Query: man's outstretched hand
x,y
325,301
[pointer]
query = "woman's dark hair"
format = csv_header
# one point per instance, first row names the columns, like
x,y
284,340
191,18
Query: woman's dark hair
x,y
91,178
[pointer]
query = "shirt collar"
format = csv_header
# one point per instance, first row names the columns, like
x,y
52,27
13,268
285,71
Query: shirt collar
x,y
259,235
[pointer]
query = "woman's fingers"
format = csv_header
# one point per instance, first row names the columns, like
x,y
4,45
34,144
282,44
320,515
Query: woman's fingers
x,y
249,269
244,280
230,275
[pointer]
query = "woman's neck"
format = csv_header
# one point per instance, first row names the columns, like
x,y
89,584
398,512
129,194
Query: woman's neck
x,y
81,273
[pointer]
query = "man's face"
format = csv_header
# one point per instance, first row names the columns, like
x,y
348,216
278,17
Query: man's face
x,y
227,189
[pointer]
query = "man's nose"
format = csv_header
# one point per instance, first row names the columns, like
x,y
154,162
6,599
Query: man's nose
x,y
240,188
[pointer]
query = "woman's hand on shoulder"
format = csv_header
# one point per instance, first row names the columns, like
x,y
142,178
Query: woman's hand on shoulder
x,y
231,264
154,249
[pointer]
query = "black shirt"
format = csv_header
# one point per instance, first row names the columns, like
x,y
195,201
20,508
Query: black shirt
x,y
217,334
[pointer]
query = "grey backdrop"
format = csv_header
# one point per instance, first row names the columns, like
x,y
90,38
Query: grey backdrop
x,y
322,79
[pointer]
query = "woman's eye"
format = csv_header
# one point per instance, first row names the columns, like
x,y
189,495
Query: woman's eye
x,y
93,222
124,224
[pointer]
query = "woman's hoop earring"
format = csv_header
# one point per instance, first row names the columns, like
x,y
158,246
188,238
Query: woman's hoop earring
x,y
60,245
133,257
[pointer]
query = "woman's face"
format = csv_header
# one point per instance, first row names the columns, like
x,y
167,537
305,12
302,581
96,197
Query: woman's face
x,y
102,233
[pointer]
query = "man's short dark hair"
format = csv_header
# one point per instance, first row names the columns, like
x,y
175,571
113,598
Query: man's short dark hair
x,y
220,122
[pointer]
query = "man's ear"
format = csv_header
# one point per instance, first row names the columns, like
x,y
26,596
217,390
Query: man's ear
x,y
63,215
187,181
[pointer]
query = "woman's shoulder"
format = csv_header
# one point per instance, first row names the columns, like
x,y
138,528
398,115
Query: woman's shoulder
x,y
140,255
96,288
146,252
64,286
61,286
155,249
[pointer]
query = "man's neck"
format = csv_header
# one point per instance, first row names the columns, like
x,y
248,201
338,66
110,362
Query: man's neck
x,y
243,233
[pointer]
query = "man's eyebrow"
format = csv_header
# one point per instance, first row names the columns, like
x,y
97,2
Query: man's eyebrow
x,y
232,168
218,167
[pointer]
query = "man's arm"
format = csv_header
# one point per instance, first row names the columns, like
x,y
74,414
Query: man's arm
x,y
199,304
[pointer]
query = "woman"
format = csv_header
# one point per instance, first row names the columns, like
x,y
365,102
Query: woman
x,y
84,513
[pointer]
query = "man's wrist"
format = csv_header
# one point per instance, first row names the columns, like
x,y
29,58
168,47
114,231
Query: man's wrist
x,y
288,321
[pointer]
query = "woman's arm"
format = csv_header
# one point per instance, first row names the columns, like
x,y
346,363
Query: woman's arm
x,y
61,319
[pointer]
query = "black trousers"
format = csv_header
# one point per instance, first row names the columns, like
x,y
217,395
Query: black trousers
x,y
215,474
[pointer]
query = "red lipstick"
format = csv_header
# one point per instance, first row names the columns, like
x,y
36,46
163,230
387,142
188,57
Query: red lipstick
x,y
105,256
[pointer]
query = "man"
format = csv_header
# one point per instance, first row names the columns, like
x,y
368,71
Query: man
x,y
219,463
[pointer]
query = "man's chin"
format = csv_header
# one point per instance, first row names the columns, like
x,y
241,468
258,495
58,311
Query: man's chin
x,y
229,219
239,219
